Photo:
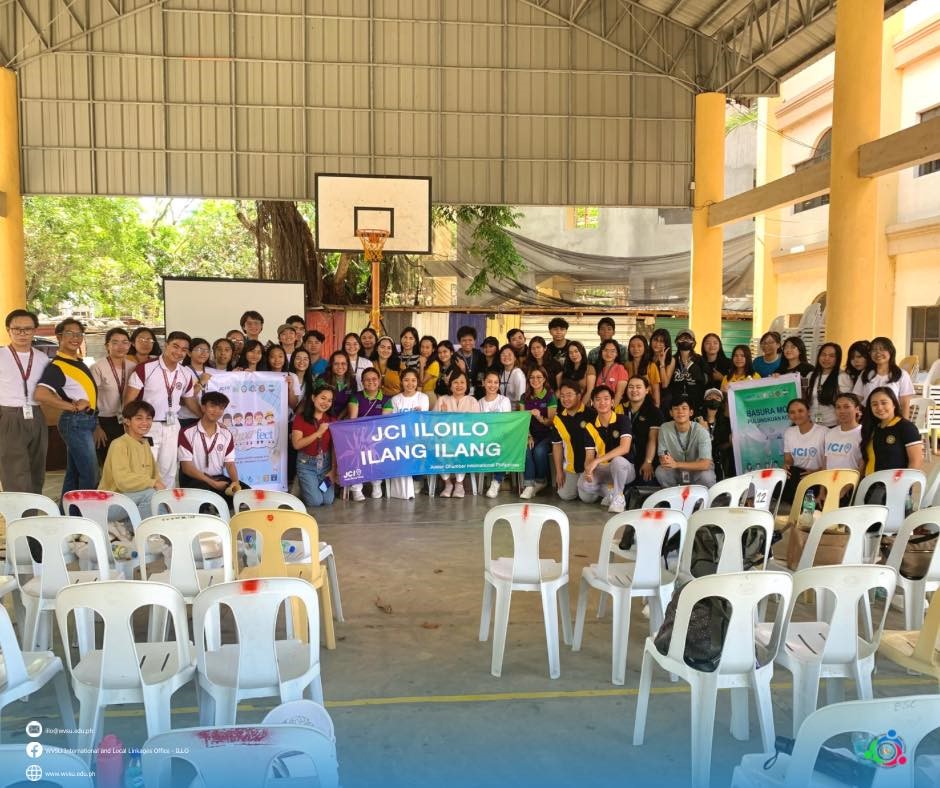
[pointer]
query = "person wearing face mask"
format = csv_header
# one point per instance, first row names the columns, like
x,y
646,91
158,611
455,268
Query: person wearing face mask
x,y
719,428
689,378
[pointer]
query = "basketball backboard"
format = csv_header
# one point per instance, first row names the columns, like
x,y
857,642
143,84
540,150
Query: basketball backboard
x,y
399,204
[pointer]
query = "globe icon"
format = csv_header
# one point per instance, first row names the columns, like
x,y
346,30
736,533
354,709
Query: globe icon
x,y
34,773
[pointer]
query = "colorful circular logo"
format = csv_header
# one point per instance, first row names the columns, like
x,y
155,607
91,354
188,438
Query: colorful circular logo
x,y
886,750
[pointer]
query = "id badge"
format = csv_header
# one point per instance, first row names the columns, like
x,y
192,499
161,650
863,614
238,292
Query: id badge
x,y
170,419
686,477
320,463
120,419
27,411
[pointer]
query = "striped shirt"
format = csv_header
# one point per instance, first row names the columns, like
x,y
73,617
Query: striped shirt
x,y
71,380
568,429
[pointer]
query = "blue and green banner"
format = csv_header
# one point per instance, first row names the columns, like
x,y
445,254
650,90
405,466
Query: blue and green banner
x,y
758,412
419,443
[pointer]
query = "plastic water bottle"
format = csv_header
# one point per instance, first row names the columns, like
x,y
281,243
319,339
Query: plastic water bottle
x,y
134,774
110,762
122,552
808,511
290,550
251,551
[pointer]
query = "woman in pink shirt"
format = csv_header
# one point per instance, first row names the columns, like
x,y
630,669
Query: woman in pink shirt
x,y
458,401
610,372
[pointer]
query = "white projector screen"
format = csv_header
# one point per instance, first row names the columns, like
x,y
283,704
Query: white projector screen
x,y
210,308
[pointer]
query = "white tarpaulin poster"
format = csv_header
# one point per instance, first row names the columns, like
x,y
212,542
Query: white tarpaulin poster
x,y
257,417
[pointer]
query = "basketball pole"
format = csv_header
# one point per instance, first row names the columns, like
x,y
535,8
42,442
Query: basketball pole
x,y
375,318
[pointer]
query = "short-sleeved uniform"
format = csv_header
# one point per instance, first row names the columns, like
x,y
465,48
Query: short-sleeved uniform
x,y
887,448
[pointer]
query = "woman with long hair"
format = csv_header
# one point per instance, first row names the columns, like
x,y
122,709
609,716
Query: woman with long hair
x,y
460,400
640,363
646,419
429,368
716,363
303,383
310,437
770,359
275,360
883,370
804,447
538,356
844,440
144,345
358,363
889,440
825,383
198,361
111,374
689,379
856,360
494,402
540,401
370,401
578,369
223,354
368,339
408,399
341,379
252,356
512,380
742,367
449,363
389,366
611,373
408,341
795,361
661,347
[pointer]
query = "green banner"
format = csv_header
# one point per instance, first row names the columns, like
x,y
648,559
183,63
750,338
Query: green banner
x,y
758,412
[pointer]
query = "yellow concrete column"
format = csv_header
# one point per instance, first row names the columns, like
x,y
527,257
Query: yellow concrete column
x,y
767,224
852,284
705,287
12,271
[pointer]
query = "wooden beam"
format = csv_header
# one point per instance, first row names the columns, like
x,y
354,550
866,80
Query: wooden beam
x,y
906,148
808,182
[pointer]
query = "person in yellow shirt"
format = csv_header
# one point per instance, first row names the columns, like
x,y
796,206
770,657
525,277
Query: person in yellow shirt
x,y
742,367
129,467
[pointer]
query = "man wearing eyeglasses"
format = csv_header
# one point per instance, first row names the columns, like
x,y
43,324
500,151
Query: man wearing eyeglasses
x,y
66,385
23,432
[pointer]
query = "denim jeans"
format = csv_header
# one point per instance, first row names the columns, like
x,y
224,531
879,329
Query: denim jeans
x,y
536,461
78,434
311,471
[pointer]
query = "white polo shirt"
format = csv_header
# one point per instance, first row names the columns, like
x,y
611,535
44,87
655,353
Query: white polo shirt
x,y
208,454
162,387
11,378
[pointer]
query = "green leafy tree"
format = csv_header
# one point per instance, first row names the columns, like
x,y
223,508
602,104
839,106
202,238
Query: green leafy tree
x,y
212,242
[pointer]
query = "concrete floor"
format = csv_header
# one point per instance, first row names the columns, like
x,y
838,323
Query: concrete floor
x,y
410,690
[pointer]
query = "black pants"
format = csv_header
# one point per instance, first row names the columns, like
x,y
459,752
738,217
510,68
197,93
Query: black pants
x,y
793,481
198,484
112,431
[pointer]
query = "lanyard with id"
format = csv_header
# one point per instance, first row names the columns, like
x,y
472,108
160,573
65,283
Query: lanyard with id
x,y
120,384
27,408
170,413
208,449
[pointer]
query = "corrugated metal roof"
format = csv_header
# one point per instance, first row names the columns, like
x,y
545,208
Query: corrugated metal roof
x,y
534,102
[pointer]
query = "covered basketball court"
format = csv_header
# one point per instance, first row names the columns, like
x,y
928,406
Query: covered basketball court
x,y
519,102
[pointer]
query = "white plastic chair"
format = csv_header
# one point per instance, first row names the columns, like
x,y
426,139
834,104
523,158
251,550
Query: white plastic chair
x,y
27,672
38,594
71,770
310,714
272,499
96,505
187,500
768,486
525,571
123,670
737,669
736,488
931,496
258,665
915,591
643,577
919,417
181,530
239,755
864,524
911,717
832,647
898,485
687,498
734,523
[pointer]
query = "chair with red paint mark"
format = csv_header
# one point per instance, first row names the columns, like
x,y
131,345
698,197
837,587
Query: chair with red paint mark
x,y
187,500
185,533
247,755
38,593
269,527
258,664
104,507
920,526
734,525
123,670
687,498
641,575
525,570
767,484
272,499
900,490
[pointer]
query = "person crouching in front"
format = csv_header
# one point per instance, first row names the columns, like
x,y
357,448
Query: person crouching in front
x,y
608,463
130,468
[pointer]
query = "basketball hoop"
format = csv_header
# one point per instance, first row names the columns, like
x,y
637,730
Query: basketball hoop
x,y
373,241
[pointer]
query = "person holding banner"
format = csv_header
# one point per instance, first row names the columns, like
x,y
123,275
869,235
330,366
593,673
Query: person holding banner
x,y
608,459
458,401
568,439
207,451
223,353
369,402
804,447
310,436
409,399
685,449
494,402
742,368
542,404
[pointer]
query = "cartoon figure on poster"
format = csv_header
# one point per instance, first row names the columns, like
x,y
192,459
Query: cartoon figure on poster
x,y
257,416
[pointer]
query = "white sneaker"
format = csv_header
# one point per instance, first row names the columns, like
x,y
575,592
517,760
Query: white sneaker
x,y
459,491
527,493
377,490
605,501
448,490
539,486
494,490
357,495
617,504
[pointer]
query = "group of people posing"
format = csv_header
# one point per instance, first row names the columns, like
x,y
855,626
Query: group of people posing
x,y
601,420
